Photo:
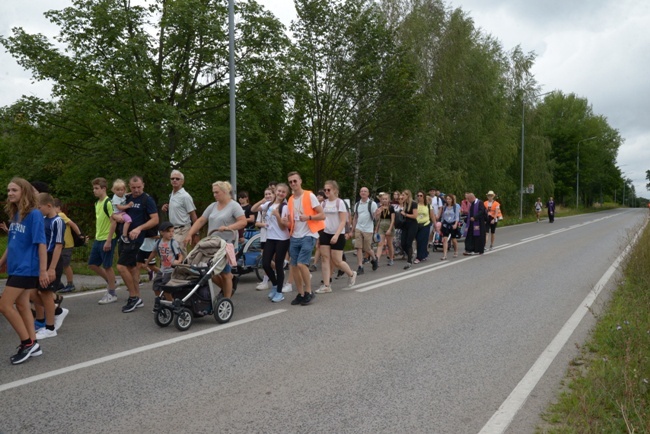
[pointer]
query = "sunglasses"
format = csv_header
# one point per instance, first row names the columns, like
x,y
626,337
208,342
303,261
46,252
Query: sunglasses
x,y
293,181
175,179
420,195
327,190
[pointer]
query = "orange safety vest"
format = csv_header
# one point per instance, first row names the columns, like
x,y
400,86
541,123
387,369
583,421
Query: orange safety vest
x,y
495,210
314,225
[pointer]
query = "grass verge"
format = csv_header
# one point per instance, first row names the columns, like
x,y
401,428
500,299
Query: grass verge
x,y
608,388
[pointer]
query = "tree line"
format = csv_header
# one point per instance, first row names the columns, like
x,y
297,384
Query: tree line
x,y
390,95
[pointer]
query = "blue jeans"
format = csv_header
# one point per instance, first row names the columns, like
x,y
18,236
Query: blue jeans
x,y
300,249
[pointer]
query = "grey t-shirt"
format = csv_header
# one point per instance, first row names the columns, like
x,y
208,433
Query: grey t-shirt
x,y
224,217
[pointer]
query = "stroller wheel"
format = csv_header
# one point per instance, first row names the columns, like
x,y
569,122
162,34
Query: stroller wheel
x,y
223,310
259,269
164,316
183,319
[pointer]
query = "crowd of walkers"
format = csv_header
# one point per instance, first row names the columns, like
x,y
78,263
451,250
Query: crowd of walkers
x,y
299,228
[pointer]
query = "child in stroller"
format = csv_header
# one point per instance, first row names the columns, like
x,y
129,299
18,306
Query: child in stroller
x,y
192,290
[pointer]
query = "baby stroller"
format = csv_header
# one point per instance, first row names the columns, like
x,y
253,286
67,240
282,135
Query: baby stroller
x,y
438,239
192,289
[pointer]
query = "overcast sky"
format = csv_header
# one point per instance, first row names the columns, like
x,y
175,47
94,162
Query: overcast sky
x,y
597,49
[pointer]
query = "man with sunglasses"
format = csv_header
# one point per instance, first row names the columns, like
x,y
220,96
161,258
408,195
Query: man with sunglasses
x,y
182,212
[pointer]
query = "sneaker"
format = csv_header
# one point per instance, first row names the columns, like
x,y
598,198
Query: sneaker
x,y
417,261
45,333
278,297
490,247
340,273
390,262
287,287
324,290
375,264
298,300
359,271
58,320
38,325
263,286
68,288
352,280
108,298
307,298
273,292
125,239
407,266
313,268
25,352
132,304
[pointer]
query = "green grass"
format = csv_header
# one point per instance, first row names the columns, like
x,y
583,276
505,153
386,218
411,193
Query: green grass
x,y
608,387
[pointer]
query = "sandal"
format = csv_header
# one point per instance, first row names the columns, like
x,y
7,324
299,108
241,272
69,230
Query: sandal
x,y
444,258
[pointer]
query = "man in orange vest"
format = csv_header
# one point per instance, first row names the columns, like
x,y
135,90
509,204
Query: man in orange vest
x,y
493,214
306,218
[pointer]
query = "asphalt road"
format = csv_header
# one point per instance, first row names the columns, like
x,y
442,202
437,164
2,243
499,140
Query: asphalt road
x,y
436,349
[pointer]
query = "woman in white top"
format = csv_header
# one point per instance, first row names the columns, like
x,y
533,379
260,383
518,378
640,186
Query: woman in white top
x,y
277,240
332,238
538,207
225,217
261,223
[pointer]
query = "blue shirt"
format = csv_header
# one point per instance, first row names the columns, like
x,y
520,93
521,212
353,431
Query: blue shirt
x,y
54,232
143,207
22,247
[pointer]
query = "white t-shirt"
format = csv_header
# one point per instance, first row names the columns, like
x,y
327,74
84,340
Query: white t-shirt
x,y
436,205
274,232
365,221
116,200
332,220
224,217
301,229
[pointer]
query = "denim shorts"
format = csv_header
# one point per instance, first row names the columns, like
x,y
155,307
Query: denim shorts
x,y
101,258
300,250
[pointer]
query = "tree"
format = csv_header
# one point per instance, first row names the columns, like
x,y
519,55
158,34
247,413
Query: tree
x,y
144,89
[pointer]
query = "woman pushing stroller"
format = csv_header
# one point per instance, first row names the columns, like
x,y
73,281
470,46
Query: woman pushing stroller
x,y
225,217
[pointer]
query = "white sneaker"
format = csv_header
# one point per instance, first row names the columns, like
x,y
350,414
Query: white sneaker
x,y
323,289
45,333
108,298
263,286
58,319
287,288
352,279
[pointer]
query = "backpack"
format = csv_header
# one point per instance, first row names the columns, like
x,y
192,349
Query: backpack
x,y
172,243
356,208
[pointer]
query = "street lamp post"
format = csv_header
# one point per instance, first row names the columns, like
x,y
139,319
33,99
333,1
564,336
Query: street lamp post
x,y
578,169
521,182
233,119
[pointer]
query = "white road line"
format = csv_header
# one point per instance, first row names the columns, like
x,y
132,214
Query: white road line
x,y
534,238
500,421
133,351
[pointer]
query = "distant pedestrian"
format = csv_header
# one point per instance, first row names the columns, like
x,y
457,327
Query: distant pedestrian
x,y
103,248
538,207
475,239
305,219
181,209
550,206
493,215
385,216
26,260
68,247
144,216
425,217
409,209
363,227
450,225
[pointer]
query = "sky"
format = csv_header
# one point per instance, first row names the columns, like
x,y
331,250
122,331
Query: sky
x,y
597,49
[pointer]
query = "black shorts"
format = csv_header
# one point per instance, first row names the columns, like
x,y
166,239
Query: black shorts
x,y
492,227
448,230
129,254
22,282
58,271
325,240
